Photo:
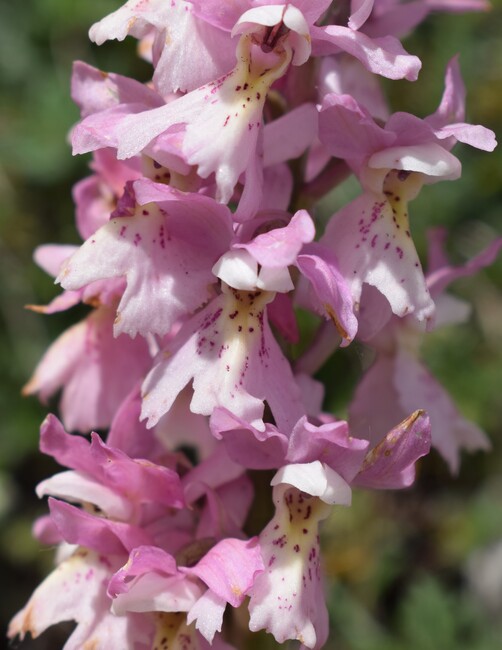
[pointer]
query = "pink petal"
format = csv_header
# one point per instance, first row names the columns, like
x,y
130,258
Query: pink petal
x,y
179,426
441,277
376,406
131,436
277,188
95,370
142,560
156,592
384,56
281,246
450,431
391,464
226,509
246,445
474,135
360,12
330,443
102,535
213,472
195,54
50,257
95,91
78,488
282,316
289,136
348,131
343,75
229,569
332,292
452,105
140,481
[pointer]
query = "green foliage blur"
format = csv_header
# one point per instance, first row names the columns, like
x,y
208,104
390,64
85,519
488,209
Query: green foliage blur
x,y
405,569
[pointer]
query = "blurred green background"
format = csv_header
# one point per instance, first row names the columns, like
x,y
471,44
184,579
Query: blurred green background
x,y
415,570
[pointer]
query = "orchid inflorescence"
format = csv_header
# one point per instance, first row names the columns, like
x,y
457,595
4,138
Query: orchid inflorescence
x,y
201,248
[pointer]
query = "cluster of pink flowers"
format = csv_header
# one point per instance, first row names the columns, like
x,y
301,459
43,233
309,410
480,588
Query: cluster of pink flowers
x,y
200,246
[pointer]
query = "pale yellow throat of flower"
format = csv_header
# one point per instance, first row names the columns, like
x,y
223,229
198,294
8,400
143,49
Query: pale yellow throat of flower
x,y
400,187
242,323
172,631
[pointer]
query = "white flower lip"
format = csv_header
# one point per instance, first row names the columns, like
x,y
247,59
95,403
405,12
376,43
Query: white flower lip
x,y
316,479
239,270
430,159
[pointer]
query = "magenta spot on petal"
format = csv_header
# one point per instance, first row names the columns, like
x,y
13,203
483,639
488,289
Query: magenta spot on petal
x,y
162,240
211,319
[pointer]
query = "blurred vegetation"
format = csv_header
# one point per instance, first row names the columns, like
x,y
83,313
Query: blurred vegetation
x,y
401,566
